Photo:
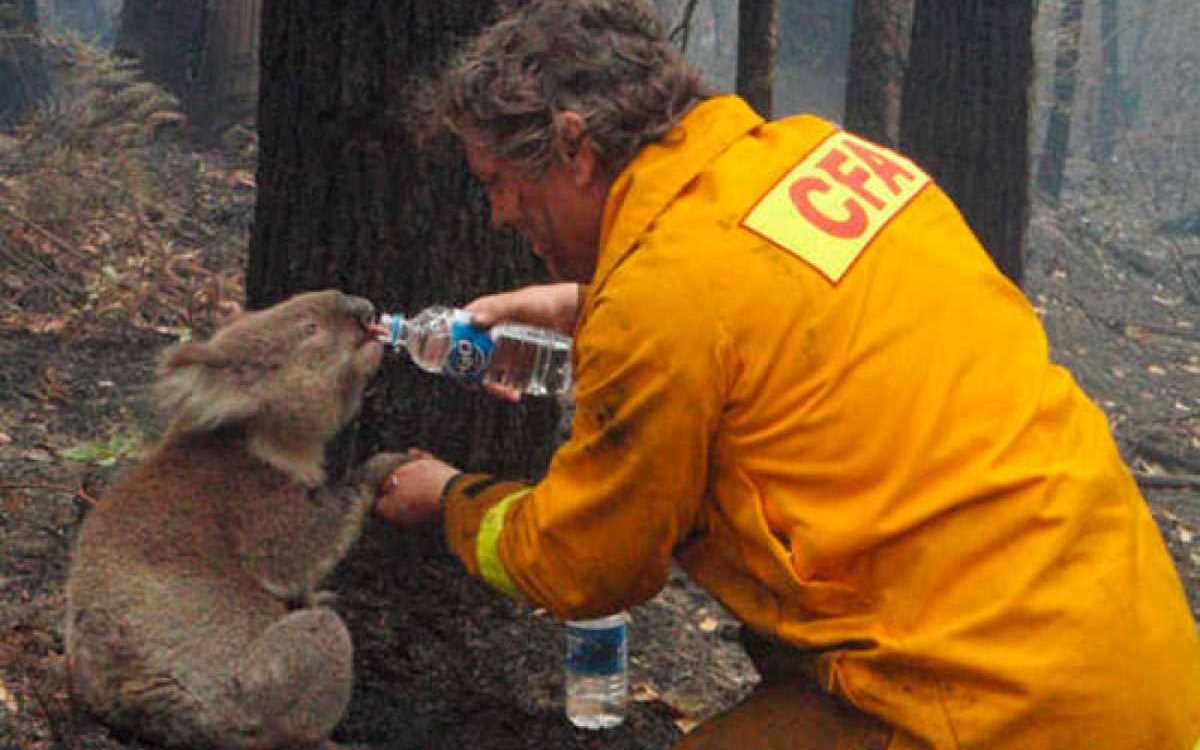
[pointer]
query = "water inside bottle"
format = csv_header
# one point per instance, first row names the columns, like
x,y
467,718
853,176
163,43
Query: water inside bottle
x,y
597,702
530,360
597,678
428,347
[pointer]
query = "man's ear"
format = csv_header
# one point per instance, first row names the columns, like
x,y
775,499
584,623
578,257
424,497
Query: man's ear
x,y
575,147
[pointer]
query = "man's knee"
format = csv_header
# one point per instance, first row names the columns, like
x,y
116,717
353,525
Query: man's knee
x,y
794,716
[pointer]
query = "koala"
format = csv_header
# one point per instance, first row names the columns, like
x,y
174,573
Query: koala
x,y
193,617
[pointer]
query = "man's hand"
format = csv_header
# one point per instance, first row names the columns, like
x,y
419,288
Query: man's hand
x,y
553,306
411,495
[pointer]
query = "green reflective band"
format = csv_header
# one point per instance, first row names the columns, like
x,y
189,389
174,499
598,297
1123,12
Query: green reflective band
x,y
487,553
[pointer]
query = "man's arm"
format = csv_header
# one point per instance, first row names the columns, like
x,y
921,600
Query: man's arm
x,y
547,305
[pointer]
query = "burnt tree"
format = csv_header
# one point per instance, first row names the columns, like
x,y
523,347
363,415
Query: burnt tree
x,y
875,73
206,54
1110,109
1056,146
757,41
965,115
22,66
167,38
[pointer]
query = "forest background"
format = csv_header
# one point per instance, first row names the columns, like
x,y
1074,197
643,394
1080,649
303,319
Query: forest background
x,y
159,161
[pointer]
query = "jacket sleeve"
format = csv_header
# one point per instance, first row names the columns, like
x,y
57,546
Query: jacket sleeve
x,y
596,534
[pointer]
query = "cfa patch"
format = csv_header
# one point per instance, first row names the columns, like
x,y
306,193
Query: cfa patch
x,y
829,207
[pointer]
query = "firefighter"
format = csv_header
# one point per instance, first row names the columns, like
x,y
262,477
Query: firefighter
x,y
800,376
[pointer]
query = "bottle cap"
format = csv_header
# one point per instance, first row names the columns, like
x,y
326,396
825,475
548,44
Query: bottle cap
x,y
393,326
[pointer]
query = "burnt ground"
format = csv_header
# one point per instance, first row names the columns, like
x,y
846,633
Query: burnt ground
x,y
442,662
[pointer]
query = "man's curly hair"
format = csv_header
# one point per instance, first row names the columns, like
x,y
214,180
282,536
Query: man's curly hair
x,y
609,61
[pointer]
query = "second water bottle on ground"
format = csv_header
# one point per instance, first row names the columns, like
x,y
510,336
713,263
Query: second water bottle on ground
x,y
597,671
522,358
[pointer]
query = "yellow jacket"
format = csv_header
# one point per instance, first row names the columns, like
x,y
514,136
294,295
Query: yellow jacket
x,y
799,373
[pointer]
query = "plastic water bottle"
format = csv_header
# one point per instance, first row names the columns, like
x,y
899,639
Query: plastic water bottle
x,y
523,358
597,671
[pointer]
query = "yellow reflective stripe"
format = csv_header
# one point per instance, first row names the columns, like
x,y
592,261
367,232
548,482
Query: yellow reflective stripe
x,y
487,552
1196,746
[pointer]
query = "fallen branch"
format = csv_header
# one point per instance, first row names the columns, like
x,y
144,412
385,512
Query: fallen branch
x,y
57,241
1180,333
1167,481
44,273
78,492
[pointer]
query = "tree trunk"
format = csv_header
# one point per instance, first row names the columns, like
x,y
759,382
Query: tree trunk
x,y
345,200
231,76
1109,115
965,114
757,38
22,66
168,39
875,75
205,53
1056,147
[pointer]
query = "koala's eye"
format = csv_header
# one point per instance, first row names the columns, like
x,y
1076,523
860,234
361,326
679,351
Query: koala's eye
x,y
311,328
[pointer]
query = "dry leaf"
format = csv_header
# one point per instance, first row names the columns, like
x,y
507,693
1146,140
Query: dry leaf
x,y
242,178
708,624
1156,370
8,701
686,725
1137,334
645,693
5,438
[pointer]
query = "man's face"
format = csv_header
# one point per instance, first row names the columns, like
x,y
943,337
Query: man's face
x,y
559,213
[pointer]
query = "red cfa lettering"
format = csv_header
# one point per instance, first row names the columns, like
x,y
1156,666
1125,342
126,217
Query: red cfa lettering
x,y
849,165
853,225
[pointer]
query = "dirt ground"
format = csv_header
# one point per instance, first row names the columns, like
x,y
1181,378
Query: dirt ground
x,y
442,662
445,663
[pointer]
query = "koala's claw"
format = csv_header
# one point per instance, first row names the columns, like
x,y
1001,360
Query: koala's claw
x,y
379,467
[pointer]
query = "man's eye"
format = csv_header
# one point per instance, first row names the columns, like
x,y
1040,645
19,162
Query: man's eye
x,y
311,328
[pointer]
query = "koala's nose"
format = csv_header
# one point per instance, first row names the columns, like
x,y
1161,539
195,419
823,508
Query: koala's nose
x,y
360,309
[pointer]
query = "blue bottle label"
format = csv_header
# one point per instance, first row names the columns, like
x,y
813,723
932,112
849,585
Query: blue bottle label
x,y
596,651
470,351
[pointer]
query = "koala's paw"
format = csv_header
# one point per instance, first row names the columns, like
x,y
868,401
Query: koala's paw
x,y
378,468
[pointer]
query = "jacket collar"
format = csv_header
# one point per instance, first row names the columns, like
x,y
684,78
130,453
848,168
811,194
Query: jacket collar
x,y
661,170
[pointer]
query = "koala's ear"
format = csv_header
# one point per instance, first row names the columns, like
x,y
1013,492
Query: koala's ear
x,y
194,386
190,353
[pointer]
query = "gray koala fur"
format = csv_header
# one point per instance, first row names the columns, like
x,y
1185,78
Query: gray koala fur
x,y
193,617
